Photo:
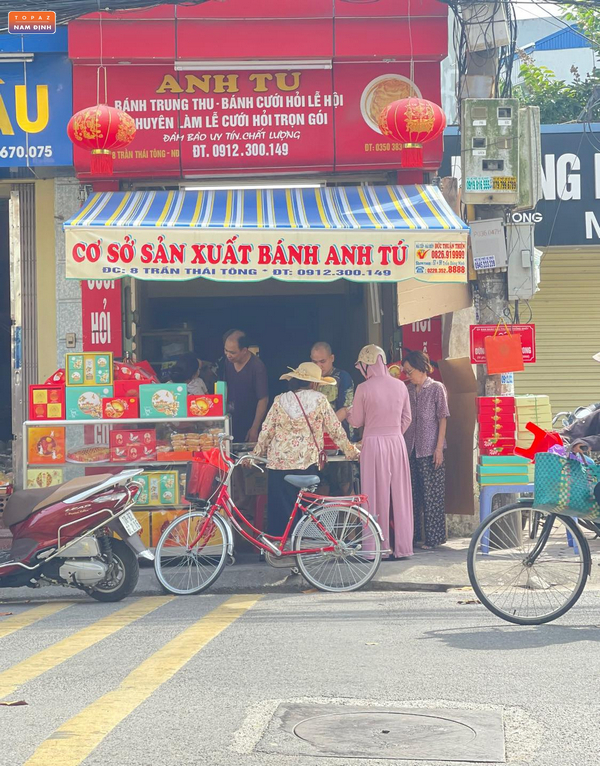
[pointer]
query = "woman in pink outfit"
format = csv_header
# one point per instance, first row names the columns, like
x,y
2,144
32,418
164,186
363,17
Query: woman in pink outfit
x,y
382,406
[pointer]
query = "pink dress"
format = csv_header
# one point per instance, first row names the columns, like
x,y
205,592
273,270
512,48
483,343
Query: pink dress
x,y
382,406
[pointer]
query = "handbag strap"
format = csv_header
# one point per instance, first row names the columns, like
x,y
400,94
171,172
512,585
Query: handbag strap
x,y
503,321
312,433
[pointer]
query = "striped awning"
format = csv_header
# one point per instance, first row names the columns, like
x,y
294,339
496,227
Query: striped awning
x,y
341,207
363,233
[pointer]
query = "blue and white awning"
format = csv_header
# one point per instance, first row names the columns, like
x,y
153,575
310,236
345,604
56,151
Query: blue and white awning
x,y
385,233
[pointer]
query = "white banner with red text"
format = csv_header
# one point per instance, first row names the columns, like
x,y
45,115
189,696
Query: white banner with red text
x,y
296,255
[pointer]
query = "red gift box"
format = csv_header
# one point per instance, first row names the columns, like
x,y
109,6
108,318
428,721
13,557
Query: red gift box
x,y
205,406
129,446
46,402
498,449
121,407
490,402
58,379
141,372
127,388
501,430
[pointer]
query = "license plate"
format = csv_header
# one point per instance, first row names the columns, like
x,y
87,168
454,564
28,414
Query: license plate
x,y
131,524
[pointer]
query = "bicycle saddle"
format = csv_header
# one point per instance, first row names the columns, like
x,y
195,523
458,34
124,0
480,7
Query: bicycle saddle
x,y
303,482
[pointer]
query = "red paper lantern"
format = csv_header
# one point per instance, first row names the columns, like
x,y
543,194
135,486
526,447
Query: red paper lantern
x,y
412,122
102,129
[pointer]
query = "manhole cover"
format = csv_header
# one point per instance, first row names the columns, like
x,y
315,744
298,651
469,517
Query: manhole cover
x,y
391,733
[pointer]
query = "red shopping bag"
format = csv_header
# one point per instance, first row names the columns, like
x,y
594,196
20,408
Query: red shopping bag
x,y
503,353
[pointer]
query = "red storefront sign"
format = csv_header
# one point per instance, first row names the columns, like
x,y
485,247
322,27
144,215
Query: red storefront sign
x,y
193,122
102,316
425,336
479,332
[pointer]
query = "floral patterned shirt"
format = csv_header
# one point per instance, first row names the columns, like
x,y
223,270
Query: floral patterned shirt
x,y
285,439
428,407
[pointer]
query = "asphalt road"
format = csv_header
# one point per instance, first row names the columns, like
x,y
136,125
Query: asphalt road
x,y
177,681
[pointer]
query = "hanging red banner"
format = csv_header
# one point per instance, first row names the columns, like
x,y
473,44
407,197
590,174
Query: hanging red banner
x,y
102,316
478,332
425,336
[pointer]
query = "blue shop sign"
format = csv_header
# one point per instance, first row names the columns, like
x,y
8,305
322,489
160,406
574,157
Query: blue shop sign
x,y
36,103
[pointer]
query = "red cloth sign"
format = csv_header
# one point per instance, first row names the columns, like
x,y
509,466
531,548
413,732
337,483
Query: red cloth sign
x,y
102,316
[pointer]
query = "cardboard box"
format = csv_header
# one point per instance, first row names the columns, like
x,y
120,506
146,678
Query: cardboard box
x,y
504,403
89,369
205,406
504,460
38,478
46,445
491,481
461,384
46,402
165,400
502,470
160,521
86,403
121,407
131,446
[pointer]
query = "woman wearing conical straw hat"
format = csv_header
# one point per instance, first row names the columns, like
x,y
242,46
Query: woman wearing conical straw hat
x,y
292,438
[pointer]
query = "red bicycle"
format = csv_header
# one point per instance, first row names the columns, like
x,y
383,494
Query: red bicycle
x,y
336,545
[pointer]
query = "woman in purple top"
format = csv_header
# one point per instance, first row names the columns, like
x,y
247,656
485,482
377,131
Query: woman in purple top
x,y
426,441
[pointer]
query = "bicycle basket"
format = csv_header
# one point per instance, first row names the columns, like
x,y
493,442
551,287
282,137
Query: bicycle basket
x,y
566,486
201,480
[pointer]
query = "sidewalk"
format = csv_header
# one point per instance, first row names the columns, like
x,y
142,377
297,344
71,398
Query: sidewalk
x,y
432,571
436,571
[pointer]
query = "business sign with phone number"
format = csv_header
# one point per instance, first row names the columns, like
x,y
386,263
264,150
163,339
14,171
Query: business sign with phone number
x,y
478,332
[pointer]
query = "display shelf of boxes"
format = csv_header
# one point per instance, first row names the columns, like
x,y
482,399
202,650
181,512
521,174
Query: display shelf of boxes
x,y
498,465
100,415
55,451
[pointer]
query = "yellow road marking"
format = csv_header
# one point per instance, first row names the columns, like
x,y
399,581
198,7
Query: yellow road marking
x,y
9,625
32,667
76,739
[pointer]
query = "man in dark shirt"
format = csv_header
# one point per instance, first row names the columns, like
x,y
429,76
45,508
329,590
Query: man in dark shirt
x,y
247,389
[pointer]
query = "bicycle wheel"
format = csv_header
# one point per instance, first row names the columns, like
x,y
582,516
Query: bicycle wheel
x,y
184,570
520,587
357,553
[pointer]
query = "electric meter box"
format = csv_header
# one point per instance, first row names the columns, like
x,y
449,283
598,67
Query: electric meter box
x,y
490,151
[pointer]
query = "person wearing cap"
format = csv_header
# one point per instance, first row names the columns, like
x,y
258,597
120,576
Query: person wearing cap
x,y
291,439
382,407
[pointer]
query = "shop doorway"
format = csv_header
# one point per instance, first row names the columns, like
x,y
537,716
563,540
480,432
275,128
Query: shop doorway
x,y
282,320
5,326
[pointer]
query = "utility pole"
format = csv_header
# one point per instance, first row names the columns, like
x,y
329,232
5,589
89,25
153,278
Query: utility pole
x,y
482,32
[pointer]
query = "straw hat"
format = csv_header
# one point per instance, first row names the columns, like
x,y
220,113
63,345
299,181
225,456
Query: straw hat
x,y
311,373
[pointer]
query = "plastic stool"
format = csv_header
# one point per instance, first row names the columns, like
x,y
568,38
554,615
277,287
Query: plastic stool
x,y
486,499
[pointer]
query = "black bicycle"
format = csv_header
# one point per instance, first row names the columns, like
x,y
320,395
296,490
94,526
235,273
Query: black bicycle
x,y
528,566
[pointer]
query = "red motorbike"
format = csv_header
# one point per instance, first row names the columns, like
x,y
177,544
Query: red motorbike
x,y
62,536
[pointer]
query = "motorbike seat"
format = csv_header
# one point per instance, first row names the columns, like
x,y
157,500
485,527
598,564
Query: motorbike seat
x,y
25,502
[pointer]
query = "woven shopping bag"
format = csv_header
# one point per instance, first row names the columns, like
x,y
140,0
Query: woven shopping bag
x,y
566,486
503,353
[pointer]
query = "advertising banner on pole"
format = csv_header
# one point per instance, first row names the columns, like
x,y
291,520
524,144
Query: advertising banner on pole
x,y
478,333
